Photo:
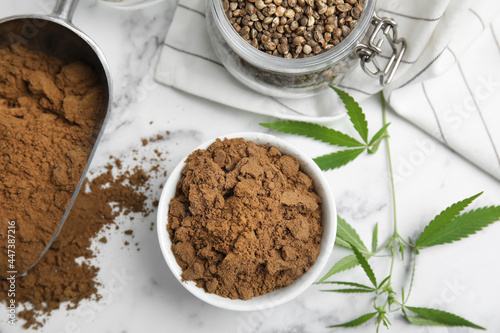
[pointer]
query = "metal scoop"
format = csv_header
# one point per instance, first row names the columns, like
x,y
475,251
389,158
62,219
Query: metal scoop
x,y
54,34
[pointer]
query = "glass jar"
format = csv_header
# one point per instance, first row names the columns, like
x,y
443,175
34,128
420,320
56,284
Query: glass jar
x,y
302,77
131,4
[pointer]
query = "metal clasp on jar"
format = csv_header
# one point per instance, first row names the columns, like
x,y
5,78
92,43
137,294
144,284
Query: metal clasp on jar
x,y
384,27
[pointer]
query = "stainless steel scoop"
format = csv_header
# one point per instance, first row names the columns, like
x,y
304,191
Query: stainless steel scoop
x,y
56,35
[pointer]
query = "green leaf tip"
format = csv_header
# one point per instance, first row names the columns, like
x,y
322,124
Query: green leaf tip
x,y
358,321
349,235
349,291
337,159
379,135
375,238
355,113
365,265
343,264
439,317
345,283
315,131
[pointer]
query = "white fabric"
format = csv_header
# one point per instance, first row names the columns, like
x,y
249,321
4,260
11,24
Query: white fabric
x,y
448,83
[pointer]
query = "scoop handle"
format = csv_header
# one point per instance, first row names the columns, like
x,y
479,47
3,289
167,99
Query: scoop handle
x,y
64,9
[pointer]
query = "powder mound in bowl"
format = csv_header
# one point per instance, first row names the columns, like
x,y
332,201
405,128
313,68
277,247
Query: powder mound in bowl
x,y
245,219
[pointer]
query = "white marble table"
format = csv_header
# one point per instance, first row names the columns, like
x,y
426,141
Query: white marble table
x,y
141,295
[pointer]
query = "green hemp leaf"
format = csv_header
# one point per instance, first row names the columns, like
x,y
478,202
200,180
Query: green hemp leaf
x,y
366,266
335,138
315,131
375,238
358,321
432,317
355,113
348,235
448,226
343,264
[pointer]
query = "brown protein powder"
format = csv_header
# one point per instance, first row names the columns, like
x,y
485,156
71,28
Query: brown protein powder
x,y
245,219
47,114
58,280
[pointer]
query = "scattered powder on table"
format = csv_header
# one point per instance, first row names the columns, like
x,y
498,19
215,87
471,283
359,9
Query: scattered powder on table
x,y
47,115
245,219
58,278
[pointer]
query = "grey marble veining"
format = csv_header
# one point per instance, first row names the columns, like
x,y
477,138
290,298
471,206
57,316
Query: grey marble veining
x,y
139,292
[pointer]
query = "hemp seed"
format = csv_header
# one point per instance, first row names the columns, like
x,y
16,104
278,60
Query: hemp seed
x,y
293,28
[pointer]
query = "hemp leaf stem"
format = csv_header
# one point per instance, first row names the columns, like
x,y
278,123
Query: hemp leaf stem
x,y
448,226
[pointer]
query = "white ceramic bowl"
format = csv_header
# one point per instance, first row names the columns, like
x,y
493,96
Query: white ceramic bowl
x,y
280,296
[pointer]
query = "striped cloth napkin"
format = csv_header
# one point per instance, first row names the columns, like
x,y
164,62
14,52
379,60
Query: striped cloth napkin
x,y
448,83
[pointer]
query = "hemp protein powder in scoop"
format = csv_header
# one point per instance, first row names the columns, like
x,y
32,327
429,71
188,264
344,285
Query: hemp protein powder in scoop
x,y
245,220
48,109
